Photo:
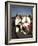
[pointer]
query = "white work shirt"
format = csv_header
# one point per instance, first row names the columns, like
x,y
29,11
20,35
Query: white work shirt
x,y
17,21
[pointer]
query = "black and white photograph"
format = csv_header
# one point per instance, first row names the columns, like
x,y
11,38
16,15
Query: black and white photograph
x,y
21,21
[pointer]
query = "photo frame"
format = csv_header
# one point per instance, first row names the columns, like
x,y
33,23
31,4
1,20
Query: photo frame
x,y
20,22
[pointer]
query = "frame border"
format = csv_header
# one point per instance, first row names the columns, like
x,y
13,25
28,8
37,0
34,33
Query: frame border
x,y
6,21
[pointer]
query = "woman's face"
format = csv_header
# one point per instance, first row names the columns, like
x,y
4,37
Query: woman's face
x,y
18,17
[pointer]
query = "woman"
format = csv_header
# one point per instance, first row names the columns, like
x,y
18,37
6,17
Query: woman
x,y
26,26
18,23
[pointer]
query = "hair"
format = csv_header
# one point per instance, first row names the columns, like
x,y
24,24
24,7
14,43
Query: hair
x,y
16,15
